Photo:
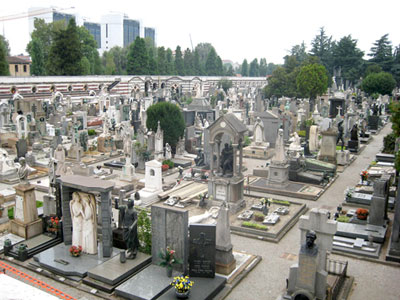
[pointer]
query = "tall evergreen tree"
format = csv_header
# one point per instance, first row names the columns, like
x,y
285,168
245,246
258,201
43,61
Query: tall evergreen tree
x,y
263,67
322,48
170,65
37,56
138,58
161,61
349,58
212,63
197,66
119,56
4,70
381,53
179,68
188,62
396,65
254,68
89,50
66,52
245,68
6,44
153,68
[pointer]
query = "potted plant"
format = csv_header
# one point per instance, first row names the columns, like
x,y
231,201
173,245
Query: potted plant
x,y
182,285
364,176
168,259
362,213
54,225
75,251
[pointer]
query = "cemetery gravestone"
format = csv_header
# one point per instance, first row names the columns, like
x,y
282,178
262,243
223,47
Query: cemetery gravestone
x,y
202,250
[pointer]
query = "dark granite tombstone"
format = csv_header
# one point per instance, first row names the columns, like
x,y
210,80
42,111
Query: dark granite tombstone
x,y
334,105
22,148
373,122
202,250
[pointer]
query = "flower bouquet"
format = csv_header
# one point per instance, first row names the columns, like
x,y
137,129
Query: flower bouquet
x,y
364,176
362,213
182,286
54,224
168,260
75,251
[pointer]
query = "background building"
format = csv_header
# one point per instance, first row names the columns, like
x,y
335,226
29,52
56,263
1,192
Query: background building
x,y
95,30
19,65
151,33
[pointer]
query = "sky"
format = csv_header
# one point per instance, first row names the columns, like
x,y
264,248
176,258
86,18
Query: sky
x,y
237,29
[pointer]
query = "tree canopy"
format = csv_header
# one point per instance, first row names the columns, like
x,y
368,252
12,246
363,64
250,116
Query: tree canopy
x,y
382,83
171,121
312,80
4,70
138,58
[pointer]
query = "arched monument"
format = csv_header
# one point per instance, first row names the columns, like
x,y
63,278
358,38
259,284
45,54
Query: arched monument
x,y
226,179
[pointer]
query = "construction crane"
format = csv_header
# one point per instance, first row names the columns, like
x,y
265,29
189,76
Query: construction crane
x,y
28,14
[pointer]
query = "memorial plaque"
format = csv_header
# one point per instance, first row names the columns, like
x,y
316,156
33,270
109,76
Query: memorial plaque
x,y
220,192
307,271
202,250
19,208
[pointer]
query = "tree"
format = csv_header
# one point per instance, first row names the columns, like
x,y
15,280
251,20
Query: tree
x,y
381,53
312,80
36,52
254,68
225,84
322,48
279,84
188,62
153,68
349,58
382,83
179,68
212,67
263,67
170,66
299,52
138,58
4,70
108,63
119,56
6,44
245,68
197,67
161,61
396,65
66,52
89,51
171,121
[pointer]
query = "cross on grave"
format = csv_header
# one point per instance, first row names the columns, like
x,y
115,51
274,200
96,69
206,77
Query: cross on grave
x,y
339,108
325,229
34,110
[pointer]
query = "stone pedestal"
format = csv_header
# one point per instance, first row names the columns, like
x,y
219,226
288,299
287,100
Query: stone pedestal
x,y
49,205
128,173
278,174
75,152
225,263
353,146
343,157
328,147
26,222
227,189
105,144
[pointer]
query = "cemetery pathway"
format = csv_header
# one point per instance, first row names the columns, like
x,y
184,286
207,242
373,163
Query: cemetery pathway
x,y
268,279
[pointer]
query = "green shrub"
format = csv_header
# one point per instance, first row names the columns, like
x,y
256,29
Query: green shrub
x,y
11,213
91,132
168,162
144,232
389,143
301,133
254,225
247,141
39,203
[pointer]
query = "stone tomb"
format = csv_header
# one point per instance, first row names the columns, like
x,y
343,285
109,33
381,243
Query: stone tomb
x,y
26,223
202,250
72,183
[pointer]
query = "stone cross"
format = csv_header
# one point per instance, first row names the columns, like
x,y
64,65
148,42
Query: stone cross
x,y
339,108
324,228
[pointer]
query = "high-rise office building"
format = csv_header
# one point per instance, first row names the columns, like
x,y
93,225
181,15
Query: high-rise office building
x,y
151,33
131,31
95,30
50,15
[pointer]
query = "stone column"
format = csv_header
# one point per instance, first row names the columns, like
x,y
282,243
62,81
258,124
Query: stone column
x,y
212,160
240,159
235,148
106,230
218,155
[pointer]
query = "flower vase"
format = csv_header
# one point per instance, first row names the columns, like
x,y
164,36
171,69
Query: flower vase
x,y
183,295
169,271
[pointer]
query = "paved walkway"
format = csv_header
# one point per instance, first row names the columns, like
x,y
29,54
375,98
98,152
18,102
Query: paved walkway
x,y
268,279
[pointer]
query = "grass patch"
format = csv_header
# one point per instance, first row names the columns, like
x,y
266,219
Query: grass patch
x,y
340,148
281,202
254,225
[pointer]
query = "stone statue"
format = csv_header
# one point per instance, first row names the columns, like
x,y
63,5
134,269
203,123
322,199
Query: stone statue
x,y
199,160
206,123
76,209
226,159
128,218
24,171
310,248
59,156
89,225
354,133
340,134
168,151
180,147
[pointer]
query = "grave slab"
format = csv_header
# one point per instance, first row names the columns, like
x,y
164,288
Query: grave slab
x,y
113,271
361,231
203,288
59,260
147,284
15,239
